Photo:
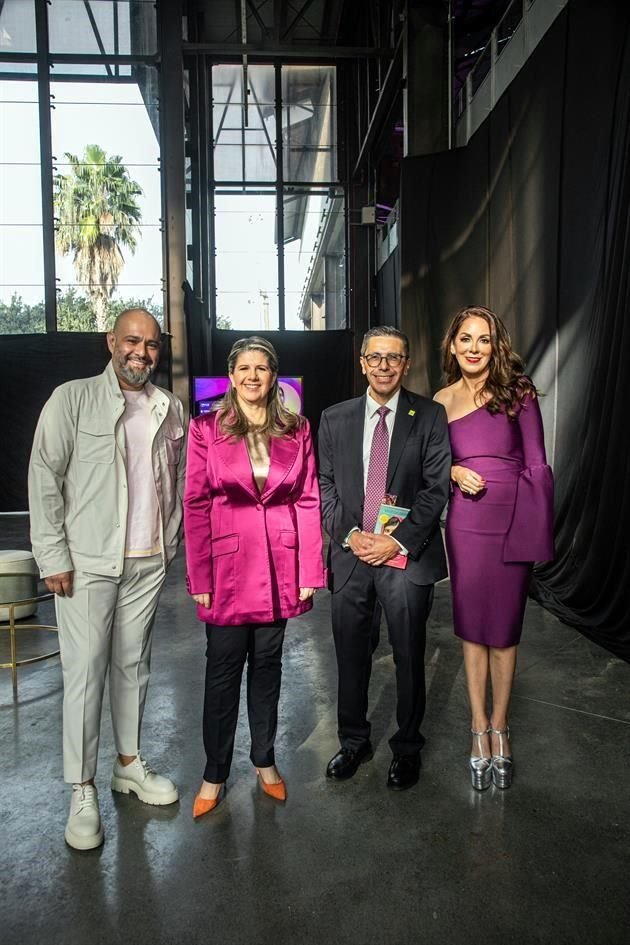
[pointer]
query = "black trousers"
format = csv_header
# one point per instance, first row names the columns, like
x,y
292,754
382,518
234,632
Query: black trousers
x,y
227,650
354,609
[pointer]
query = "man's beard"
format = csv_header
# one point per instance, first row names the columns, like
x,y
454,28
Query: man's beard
x,y
135,376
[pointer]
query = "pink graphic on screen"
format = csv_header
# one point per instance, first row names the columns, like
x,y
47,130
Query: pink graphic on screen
x,y
208,391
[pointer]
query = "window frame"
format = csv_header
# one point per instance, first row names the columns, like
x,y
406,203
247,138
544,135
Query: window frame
x,y
201,200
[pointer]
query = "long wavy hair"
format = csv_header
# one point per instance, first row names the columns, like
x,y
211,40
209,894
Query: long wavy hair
x,y
506,384
279,420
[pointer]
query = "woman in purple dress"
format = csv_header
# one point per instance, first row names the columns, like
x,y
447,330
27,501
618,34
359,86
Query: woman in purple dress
x,y
500,520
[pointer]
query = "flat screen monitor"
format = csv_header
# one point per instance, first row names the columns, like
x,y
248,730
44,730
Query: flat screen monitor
x,y
208,391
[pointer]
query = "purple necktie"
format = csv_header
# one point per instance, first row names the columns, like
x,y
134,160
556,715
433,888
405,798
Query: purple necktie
x,y
377,472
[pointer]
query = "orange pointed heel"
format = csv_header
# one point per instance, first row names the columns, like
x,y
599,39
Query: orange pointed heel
x,y
278,790
203,805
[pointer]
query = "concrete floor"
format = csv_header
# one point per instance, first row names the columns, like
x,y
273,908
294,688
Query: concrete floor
x,y
545,862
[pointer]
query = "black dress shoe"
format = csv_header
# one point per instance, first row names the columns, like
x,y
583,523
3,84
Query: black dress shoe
x,y
404,772
346,761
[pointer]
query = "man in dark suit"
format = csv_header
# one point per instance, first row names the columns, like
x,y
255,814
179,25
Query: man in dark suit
x,y
388,442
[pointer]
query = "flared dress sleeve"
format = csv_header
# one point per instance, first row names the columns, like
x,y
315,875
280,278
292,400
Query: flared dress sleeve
x,y
530,535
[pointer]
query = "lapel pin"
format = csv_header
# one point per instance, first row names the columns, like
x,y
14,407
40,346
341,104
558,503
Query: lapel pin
x,y
412,413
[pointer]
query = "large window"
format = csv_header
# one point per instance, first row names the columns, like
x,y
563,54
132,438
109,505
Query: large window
x,y
274,204
244,124
315,260
21,239
246,260
80,189
107,161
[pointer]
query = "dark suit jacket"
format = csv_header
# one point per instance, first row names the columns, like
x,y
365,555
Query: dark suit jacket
x,y
418,474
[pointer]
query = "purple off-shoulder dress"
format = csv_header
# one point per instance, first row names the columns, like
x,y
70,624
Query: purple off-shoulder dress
x,y
493,538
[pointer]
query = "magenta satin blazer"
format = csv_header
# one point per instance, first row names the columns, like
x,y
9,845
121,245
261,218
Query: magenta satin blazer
x,y
251,551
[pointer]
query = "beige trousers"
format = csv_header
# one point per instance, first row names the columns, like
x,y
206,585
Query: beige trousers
x,y
106,624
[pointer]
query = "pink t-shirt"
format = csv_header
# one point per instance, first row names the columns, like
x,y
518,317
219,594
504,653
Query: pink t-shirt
x,y
143,515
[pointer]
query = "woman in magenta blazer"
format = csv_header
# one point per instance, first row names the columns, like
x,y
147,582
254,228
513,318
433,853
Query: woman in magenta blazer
x,y
253,554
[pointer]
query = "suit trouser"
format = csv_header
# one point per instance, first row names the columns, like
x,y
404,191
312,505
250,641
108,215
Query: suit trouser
x,y
227,650
106,624
406,607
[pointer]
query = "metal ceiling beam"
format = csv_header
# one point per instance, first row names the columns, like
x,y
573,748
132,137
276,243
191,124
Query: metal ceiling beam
x,y
238,17
300,15
87,59
292,51
279,7
95,30
254,9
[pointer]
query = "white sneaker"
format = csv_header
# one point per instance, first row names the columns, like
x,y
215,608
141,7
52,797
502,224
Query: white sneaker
x,y
84,830
140,778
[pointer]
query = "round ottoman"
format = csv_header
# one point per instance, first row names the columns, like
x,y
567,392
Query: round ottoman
x,y
18,581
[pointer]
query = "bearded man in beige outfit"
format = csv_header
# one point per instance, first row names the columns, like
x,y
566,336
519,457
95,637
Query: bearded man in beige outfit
x,y
106,481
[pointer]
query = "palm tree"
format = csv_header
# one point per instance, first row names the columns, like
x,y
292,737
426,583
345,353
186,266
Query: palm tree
x,y
97,215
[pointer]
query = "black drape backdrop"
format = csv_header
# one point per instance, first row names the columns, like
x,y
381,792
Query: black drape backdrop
x,y
388,290
31,366
323,359
533,219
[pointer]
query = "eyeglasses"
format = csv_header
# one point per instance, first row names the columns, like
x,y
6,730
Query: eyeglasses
x,y
393,360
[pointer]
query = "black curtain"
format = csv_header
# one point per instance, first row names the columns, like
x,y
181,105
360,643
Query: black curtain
x,y
532,218
388,290
31,366
324,359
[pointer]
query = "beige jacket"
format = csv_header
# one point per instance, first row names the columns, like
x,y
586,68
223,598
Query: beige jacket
x,y
77,480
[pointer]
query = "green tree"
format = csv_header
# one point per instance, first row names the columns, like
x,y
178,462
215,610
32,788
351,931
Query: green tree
x,y
120,305
74,313
98,213
19,318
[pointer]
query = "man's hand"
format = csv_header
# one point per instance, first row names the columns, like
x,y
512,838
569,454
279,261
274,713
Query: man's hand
x,y
60,584
377,549
360,542
204,599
